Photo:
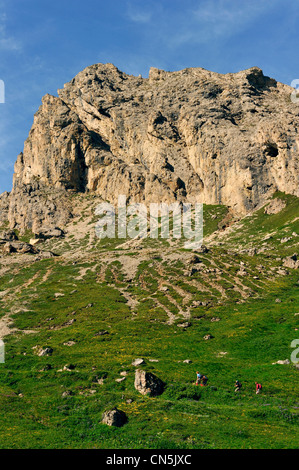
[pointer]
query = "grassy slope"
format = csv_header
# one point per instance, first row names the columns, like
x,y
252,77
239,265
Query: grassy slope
x,y
254,331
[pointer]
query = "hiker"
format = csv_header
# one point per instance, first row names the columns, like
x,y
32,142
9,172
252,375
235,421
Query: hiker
x,y
204,380
198,378
238,386
258,388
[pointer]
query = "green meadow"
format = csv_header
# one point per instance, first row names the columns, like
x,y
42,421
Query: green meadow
x,y
97,312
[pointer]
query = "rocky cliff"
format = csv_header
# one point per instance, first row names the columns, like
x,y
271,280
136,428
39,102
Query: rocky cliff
x,y
191,135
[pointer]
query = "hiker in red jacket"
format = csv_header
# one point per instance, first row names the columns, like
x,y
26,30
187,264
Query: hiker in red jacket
x,y
198,378
258,388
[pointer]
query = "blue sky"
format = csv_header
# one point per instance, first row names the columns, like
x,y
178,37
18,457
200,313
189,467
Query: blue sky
x,y
43,44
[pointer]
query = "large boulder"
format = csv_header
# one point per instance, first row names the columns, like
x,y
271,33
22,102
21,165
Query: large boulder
x,y
9,236
19,247
275,206
147,383
291,262
49,232
114,417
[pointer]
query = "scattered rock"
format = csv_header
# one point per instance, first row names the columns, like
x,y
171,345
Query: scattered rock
x,y
67,393
120,380
45,255
35,241
194,260
202,249
69,367
291,262
285,362
138,362
184,325
70,322
275,206
44,352
9,236
114,417
164,289
282,272
207,337
49,232
101,381
222,353
102,333
147,383
87,393
69,343
19,247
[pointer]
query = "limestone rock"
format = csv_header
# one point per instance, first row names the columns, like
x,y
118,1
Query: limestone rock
x,y
4,207
9,236
291,262
184,325
283,362
207,337
138,362
69,367
120,379
147,383
45,255
188,136
19,247
45,352
114,417
275,206
49,232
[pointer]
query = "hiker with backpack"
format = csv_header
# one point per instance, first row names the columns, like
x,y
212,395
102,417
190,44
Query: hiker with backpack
x,y
204,380
258,388
238,386
198,378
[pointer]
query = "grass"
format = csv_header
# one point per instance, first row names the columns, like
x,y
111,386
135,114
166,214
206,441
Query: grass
x,y
253,332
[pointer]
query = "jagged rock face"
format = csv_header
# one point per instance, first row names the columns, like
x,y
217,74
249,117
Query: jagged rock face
x,y
191,135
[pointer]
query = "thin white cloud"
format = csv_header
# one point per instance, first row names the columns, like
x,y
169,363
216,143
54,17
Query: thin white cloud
x,y
138,14
7,42
216,19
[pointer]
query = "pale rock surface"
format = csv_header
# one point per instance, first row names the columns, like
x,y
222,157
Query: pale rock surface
x,y
191,135
147,383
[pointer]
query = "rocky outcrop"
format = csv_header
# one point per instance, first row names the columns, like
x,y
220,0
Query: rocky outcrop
x,y
8,236
275,206
18,247
191,135
4,207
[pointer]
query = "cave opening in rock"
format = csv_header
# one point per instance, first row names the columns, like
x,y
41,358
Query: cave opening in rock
x,y
271,149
